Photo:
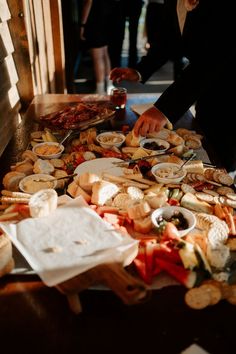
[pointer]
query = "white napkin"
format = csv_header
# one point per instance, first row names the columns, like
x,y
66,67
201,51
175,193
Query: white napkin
x,y
194,349
69,241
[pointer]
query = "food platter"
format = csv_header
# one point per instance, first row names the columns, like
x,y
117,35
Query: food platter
x,y
78,116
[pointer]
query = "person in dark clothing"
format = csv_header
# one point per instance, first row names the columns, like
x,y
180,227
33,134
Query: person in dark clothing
x,y
124,10
95,18
155,15
204,32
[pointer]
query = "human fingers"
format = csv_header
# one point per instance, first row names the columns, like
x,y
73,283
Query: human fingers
x,y
116,74
137,127
145,128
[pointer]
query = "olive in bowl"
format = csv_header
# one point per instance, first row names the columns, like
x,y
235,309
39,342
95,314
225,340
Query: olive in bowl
x,y
48,150
182,218
168,172
154,145
109,139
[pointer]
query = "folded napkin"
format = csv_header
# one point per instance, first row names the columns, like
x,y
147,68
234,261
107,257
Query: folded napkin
x,y
69,241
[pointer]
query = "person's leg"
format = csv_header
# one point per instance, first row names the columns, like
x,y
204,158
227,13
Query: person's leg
x,y
133,18
116,33
97,55
107,63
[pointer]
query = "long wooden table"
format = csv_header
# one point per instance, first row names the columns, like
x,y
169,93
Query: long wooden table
x,y
36,319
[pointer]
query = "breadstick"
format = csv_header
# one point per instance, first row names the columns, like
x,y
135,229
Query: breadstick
x,y
9,216
140,179
15,194
125,181
10,200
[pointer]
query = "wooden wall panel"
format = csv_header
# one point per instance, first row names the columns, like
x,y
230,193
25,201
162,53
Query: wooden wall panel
x,y
9,75
4,11
6,46
31,58
21,51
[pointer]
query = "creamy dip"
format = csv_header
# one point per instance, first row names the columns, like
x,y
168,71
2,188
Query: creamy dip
x,y
33,186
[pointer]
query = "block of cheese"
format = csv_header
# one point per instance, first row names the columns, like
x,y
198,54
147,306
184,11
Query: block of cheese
x,y
191,202
43,203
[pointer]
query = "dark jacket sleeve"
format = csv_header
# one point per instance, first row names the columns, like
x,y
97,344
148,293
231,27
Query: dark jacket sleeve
x,y
209,32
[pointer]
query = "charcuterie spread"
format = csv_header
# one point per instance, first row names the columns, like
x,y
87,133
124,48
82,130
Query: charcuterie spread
x,y
76,116
197,250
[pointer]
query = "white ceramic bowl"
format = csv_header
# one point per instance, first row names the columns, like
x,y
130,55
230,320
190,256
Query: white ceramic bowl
x,y
48,150
30,184
165,173
157,141
168,211
109,139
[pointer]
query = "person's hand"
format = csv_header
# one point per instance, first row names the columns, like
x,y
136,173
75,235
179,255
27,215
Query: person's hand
x,y
152,120
119,74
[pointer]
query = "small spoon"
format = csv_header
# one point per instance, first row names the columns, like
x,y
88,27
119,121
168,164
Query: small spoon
x,y
55,179
185,162
66,136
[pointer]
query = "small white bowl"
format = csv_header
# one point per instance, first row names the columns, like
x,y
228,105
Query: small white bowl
x,y
109,139
30,184
48,150
164,173
168,211
159,142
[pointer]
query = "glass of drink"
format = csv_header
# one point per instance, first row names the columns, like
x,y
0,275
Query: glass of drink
x,y
118,97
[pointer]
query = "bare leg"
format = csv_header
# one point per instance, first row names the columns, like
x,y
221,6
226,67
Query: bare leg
x,y
99,68
109,84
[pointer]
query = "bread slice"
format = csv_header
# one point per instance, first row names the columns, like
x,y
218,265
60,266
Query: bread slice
x,y
86,180
75,190
102,191
43,166
11,180
189,201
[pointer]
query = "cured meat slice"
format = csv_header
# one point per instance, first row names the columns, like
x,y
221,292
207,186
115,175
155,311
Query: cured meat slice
x,y
71,117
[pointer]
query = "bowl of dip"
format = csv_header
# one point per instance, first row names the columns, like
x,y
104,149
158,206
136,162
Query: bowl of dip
x,y
109,139
168,172
182,218
48,150
34,183
154,145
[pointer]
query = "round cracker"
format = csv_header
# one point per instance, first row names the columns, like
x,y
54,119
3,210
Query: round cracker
x,y
216,175
225,179
211,192
197,298
208,173
205,197
186,188
214,291
224,190
231,196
